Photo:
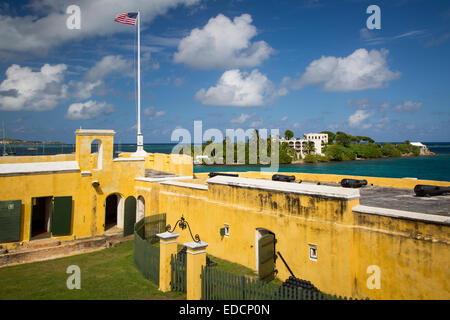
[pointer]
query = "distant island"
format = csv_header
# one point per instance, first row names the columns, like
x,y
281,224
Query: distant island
x,y
9,141
325,146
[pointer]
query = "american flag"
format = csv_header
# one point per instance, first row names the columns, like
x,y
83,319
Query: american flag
x,y
127,18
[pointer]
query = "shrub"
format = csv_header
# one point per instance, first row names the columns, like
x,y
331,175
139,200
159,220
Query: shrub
x,y
389,150
339,153
310,158
367,150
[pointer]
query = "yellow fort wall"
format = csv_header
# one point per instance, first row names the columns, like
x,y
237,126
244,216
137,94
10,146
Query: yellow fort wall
x,y
412,255
88,202
43,158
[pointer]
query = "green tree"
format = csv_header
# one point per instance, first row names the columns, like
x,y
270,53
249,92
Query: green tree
x,y
310,147
288,134
331,136
343,139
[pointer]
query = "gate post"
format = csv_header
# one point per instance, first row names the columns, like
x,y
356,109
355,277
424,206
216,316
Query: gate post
x,y
196,258
167,247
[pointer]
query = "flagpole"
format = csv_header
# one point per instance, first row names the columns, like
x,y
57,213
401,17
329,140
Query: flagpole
x,y
140,138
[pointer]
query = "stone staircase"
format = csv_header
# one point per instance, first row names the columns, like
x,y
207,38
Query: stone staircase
x,y
47,249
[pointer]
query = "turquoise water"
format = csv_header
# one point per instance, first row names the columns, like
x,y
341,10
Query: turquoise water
x,y
424,167
432,167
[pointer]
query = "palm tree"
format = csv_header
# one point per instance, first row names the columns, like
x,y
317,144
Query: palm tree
x,y
310,147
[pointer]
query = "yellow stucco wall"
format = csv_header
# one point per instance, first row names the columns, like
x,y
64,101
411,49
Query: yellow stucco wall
x,y
43,158
88,203
413,256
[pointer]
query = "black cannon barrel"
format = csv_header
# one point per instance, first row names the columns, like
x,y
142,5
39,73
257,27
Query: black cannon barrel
x,y
282,177
422,190
353,183
213,174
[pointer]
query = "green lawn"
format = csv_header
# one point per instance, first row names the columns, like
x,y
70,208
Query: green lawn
x,y
105,274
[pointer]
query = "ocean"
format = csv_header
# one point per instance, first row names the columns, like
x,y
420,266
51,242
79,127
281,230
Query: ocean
x,y
424,167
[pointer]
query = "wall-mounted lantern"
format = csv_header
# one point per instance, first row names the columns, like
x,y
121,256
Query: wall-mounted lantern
x,y
225,231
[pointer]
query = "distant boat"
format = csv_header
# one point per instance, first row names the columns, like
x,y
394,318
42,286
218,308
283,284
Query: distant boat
x,y
10,152
32,148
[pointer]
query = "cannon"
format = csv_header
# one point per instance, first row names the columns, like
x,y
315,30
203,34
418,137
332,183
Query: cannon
x,y
293,282
282,177
353,183
422,190
213,174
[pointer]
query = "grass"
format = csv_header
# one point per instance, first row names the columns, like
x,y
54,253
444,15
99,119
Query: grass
x,y
106,274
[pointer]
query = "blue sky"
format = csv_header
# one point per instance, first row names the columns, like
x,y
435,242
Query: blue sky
x,y
307,66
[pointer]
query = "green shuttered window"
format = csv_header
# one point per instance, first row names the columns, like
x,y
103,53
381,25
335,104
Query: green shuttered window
x,y
10,217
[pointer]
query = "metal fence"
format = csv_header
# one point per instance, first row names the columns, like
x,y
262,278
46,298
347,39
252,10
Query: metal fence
x,y
154,224
221,285
178,272
146,252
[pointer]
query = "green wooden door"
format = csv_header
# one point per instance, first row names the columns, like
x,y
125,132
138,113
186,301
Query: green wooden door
x,y
266,257
10,217
62,216
129,217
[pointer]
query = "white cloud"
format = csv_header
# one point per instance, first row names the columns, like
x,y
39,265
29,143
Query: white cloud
x,y
362,103
152,113
257,123
223,43
85,89
93,80
241,119
88,110
408,106
107,65
239,89
359,71
24,89
357,119
45,26
284,118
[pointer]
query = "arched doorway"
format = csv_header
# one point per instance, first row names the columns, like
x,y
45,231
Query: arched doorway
x,y
113,209
265,253
129,217
140,208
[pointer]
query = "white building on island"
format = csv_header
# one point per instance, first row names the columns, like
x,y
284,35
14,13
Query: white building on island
x,y
300,145
423,148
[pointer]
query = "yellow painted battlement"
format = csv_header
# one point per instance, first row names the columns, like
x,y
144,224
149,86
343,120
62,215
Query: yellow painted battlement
x,y
403,183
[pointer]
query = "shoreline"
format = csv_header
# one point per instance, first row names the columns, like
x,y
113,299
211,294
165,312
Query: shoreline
x,y
302,162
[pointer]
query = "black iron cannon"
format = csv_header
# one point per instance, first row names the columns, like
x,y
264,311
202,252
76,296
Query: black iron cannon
x,y
213,174
423,190
353,183
282,177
